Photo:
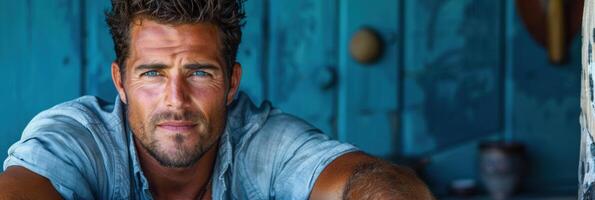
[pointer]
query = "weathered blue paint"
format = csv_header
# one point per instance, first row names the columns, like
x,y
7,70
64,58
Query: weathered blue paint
x,y
452,80
99,51
40,49
453,85
368,93
254,50
540,99
546,110
302,59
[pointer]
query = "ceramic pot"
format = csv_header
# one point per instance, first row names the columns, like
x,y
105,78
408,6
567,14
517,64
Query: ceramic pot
x,y
501,167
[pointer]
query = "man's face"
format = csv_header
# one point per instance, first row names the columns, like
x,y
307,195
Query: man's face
x,y
175,89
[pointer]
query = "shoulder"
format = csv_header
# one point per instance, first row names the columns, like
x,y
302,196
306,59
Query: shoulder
x,y
251,125
83,125
84,110
74,119
280,128
271,134
261,151
84,118
284,156
70,144
275,154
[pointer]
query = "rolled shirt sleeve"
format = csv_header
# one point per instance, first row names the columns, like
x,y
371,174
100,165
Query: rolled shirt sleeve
x,y
59,145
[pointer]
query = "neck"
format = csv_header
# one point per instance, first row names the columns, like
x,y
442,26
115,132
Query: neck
x,y
178,183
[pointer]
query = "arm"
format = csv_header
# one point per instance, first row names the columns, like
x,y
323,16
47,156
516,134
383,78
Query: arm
x,y
20,183
359,176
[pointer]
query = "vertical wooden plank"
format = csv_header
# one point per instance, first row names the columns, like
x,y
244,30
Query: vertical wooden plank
x,y
41,53
14,51
55,69
99,51
253,50
587,102
368,94
302,59
452,80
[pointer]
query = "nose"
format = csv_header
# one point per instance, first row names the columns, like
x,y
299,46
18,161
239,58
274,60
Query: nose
x,y
176,92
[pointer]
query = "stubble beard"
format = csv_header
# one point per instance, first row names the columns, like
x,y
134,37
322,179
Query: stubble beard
x,y
183,156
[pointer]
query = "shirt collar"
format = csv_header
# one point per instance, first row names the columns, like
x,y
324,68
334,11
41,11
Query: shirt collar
x,y
222,164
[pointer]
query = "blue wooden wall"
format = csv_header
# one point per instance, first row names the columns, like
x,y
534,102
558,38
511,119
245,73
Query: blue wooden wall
x,y
453,73
41,59
539,106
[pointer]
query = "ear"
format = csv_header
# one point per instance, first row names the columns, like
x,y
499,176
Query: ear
x,y
234,82
116,77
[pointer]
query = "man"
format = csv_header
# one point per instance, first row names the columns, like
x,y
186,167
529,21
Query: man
x,y
180,129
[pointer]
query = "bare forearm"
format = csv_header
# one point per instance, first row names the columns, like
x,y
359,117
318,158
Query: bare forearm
x,y
20,183
382,180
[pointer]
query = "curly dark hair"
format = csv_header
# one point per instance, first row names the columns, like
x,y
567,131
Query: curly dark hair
x,y
227,15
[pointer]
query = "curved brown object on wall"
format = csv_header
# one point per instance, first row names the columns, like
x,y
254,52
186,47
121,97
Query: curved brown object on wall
x,y
555,31
534,15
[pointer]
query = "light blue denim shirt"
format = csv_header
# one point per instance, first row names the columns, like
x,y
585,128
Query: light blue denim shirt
x,y
84,149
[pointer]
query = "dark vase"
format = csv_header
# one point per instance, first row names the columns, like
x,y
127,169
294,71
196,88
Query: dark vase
x,y
501,167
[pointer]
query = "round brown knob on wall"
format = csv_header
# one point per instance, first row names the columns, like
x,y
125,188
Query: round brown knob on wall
x,y
366,46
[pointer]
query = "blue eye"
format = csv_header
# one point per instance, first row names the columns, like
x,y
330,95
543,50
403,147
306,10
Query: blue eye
x,y
151,73
199,73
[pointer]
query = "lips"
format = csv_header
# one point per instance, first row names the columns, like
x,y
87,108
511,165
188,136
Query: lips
x,y
177,126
